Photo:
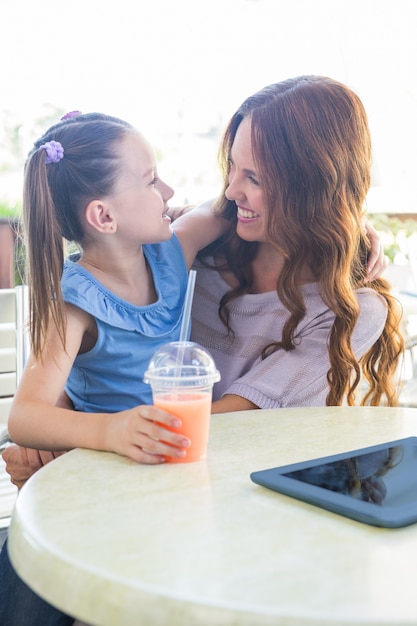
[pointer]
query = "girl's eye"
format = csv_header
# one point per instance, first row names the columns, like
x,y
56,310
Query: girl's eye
x,y
253,181
154,181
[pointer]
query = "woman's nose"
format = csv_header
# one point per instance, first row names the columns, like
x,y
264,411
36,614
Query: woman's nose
x,y
233,190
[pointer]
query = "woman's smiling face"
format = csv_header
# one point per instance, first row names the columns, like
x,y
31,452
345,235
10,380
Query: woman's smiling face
x,y
244,187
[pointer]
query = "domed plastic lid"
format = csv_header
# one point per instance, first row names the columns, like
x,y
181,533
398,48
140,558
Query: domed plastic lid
x,y
181,363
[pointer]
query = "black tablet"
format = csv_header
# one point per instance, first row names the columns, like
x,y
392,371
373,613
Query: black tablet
x,y
375,485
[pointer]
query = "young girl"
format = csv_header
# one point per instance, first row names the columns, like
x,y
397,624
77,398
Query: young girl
x,y
97,319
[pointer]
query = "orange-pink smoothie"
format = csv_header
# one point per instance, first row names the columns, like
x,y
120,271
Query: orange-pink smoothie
x,y
194,411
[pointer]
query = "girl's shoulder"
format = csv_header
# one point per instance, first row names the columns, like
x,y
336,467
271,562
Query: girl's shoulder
x,y
83,290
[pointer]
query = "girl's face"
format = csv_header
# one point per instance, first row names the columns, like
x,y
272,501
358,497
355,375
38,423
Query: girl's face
x,y
244,187
139,199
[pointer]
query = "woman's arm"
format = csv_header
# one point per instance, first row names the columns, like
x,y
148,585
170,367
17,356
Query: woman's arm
x,y
230,403
197,228
21,462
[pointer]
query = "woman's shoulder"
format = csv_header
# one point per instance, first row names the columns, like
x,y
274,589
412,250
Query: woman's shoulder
x,y
371,302
373,309
369,299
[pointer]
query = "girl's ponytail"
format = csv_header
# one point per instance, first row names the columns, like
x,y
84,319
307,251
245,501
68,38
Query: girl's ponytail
x,y
44,251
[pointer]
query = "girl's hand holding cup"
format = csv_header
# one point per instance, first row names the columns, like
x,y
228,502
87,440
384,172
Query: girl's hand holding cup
x,y
181,375
143,434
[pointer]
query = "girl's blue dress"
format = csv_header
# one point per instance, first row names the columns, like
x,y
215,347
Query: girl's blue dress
x,y
109,378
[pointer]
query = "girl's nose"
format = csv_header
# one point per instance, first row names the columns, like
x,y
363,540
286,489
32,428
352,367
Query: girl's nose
x,y
166,191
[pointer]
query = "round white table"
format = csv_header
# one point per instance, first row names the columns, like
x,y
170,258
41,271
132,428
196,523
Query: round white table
x,y
119,544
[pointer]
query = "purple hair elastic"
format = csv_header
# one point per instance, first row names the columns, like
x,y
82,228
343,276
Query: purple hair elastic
x,y
54,151
71,114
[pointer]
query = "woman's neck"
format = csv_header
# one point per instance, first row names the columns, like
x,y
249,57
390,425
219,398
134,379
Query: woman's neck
x,y
266,267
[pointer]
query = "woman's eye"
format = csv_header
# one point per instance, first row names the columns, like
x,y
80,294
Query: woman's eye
x,y
254,181
154,181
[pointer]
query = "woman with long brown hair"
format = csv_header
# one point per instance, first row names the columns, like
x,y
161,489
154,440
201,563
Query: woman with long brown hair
x,y
299,323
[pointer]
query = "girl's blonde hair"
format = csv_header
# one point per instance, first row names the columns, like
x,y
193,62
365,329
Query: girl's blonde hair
x,y
312,149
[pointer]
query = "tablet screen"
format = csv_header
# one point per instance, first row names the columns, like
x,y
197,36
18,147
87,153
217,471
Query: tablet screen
x,y
376,485
383,477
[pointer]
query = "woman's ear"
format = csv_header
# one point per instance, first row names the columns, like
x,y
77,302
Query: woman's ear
x,y
100,217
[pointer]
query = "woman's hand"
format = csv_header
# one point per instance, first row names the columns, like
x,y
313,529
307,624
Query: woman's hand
x,y
22,462
377,261
145,435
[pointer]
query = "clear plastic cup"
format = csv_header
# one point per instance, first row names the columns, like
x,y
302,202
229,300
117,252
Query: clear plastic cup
x,y
182,375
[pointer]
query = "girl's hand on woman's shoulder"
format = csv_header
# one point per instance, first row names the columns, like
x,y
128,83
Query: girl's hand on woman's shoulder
x,y
377,261
143,434
176,212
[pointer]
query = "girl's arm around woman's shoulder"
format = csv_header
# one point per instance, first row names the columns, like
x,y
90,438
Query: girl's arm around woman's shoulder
x,y
198,227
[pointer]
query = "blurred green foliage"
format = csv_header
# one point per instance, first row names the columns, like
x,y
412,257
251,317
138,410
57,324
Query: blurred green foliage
x,y
395,233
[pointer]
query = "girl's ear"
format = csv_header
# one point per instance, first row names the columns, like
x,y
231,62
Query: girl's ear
x,y
99,216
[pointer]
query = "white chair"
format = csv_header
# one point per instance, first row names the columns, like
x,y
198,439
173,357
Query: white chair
x,y
14,348
408,373
7,345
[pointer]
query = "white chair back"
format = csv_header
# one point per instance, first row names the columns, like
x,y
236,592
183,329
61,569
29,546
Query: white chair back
x,y
14,349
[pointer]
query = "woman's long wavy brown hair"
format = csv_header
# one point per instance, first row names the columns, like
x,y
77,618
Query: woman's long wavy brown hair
x,y
312,149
